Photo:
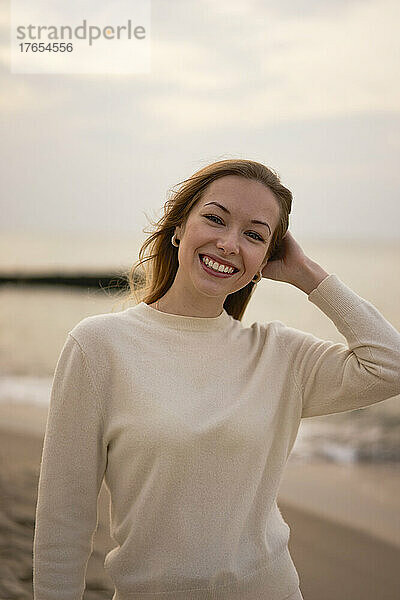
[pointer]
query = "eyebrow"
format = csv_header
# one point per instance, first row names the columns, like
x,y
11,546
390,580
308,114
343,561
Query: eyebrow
x,y
227,211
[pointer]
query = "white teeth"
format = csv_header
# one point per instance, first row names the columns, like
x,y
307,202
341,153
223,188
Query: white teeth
x,y
216,266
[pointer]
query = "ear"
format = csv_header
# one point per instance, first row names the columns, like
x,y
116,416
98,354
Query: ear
x,y
180,230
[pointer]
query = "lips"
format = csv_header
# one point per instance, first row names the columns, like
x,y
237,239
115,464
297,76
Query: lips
x,y
221,262
212,272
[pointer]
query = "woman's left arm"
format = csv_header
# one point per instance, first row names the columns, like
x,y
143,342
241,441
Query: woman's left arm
x,y
335,377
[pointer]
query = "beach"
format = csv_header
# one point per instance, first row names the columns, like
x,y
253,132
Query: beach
x,y
344,521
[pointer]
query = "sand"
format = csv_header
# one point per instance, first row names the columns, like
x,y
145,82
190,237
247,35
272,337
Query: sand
x,y
344,521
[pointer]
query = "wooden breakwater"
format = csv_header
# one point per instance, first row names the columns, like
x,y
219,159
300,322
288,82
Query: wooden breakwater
x,y
109,281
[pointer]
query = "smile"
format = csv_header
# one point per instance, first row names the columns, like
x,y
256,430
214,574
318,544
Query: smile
x,y
216,269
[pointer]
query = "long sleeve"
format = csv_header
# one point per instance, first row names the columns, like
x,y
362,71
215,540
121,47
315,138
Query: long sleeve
x,y
73,463
335,377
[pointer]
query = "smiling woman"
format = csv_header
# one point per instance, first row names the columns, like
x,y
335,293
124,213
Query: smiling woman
x,y
189,415
234,211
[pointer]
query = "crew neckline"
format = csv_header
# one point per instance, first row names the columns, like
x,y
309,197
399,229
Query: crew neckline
x,y
181,321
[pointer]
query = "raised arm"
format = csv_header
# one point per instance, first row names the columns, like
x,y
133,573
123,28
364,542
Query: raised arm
x,y
336,377
73,463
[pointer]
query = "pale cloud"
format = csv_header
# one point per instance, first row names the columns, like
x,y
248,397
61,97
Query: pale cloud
x,y
313,93
19,96
288,68
253,63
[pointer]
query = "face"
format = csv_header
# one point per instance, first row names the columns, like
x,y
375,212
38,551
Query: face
x,y
228,236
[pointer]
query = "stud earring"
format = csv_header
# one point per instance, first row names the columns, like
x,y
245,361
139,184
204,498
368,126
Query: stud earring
x,y
174,240
257,277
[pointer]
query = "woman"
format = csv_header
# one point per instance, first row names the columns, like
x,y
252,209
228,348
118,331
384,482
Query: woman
x,y
189,415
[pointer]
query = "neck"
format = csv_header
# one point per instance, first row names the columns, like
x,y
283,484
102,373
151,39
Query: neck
x,y
167,305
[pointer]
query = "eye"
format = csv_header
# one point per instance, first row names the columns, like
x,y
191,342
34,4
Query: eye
x,y
211,217
258,237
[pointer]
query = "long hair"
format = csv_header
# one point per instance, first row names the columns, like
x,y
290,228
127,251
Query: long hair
x,y
153,274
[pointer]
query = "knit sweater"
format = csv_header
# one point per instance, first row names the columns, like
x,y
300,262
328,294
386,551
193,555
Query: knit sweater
x,y
190,422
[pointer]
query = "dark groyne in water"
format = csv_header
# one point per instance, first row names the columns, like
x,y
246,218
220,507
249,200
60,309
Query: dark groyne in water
x,y
111,281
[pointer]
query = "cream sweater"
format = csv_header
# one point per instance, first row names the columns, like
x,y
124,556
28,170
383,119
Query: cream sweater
x,y
190,421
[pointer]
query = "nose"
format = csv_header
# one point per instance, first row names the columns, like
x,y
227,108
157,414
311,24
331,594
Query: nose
x,y
229,243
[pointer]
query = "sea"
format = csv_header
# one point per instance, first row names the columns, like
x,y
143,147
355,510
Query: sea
x,y
34,321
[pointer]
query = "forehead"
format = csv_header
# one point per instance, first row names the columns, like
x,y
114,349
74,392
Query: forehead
x,y
242,195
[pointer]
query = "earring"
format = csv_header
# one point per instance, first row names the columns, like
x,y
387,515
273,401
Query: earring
x,y
257,277
174,240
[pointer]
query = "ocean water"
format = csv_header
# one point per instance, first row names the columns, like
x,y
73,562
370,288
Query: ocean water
x,y
34,323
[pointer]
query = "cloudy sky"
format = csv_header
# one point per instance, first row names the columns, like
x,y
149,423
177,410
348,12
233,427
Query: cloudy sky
x,y
310,88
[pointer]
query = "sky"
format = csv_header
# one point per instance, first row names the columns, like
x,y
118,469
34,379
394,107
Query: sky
x,y
310,88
